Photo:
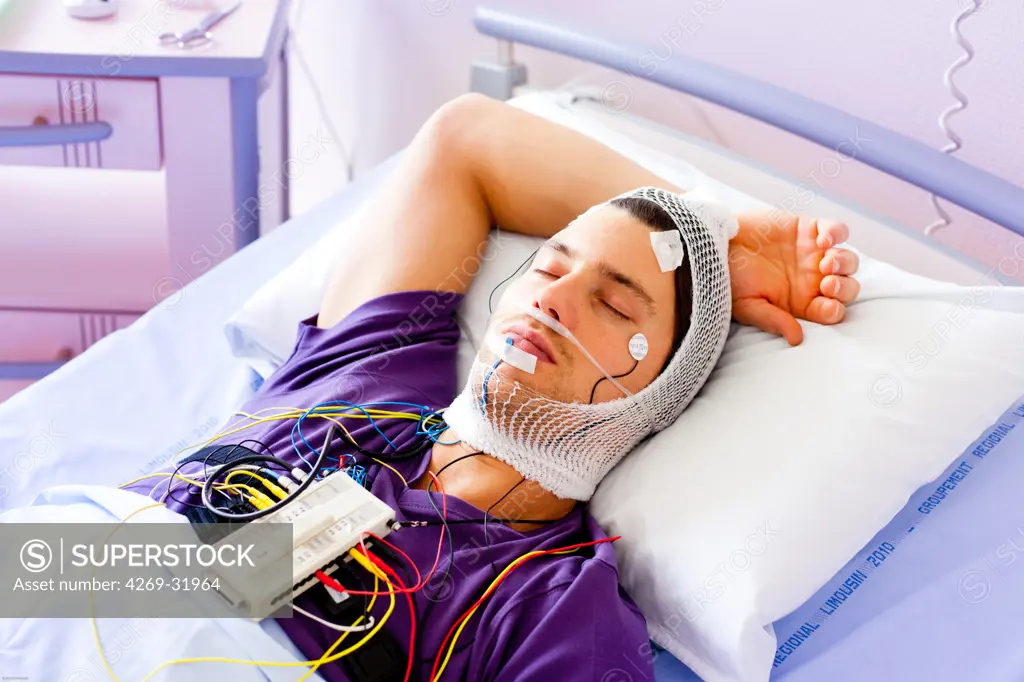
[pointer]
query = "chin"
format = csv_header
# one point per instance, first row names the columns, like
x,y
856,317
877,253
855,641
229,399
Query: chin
x,y
545,381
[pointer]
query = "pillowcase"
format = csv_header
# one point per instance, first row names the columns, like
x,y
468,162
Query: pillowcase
x,y
791,459
788,461
262,331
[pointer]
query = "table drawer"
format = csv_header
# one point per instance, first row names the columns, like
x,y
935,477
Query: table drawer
x,y
80,122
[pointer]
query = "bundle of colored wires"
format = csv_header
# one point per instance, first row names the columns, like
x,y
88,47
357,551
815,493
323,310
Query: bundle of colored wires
x,y
233,465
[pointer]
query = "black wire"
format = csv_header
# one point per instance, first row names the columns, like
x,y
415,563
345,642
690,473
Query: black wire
x,y
490,306
189,486
444,521
487,513
614,376
208,484
171,491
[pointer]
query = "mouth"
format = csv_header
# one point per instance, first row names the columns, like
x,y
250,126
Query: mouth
x,y
530,341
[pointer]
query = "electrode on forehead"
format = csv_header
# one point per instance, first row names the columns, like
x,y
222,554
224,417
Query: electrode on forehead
x,y
518,358
638,346
668,249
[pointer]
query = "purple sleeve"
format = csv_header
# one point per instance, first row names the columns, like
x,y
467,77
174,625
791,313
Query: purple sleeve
x,y
399,346
583,629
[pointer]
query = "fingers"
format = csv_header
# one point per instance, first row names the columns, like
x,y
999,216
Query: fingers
x,y
839,262
759,313
831,232
824,310
843,289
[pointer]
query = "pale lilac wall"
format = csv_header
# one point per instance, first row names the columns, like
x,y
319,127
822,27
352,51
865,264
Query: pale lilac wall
x,y
386,64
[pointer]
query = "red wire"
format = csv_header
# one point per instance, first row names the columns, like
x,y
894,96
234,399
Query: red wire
x,y
412,609
421,580
494,586
396,550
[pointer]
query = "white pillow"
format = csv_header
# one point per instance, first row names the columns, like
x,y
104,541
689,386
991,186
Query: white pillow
x,y
789,460
263,330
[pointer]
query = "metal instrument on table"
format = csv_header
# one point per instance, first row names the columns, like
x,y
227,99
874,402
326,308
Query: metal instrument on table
x,y
201,34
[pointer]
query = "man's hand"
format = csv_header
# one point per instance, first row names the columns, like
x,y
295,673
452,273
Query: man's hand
x,y
787,267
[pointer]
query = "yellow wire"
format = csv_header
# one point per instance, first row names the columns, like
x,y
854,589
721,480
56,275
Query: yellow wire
x,y
287,413
451,645
142,478
92,617
337,642
290,413
272,487
232,486
365,563
397,473
296,412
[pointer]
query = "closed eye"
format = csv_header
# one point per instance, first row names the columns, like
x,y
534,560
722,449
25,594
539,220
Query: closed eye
x,y
615,311
607,306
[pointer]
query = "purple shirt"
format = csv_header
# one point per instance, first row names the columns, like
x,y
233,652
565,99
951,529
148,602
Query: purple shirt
x,y
557,617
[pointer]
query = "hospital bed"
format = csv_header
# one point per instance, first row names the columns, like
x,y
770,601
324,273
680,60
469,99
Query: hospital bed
x,y
128,405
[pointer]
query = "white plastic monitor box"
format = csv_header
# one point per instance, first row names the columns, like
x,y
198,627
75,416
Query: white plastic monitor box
x,y
328,519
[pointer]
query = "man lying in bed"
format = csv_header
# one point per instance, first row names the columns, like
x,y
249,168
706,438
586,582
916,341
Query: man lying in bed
x,y
386,332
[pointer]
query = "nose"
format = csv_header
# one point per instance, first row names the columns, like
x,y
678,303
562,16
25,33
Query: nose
x,y
560,299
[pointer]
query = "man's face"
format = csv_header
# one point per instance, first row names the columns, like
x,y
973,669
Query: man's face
x,y
598,277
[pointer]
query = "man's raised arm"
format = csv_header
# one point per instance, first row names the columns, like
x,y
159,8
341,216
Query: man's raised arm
x,y
475,163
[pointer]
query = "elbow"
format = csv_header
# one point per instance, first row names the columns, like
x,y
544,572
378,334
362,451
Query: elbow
x,y
460,126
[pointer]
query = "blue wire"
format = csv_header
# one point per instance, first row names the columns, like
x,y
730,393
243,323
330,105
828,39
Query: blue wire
x,y
297,428
430,432
363,410
483,399
295,445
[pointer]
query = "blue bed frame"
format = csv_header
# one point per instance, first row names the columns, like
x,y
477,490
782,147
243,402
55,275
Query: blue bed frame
x,y
976,190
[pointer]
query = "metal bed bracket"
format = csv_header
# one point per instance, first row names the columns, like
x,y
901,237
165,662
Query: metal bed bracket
x,y
499,78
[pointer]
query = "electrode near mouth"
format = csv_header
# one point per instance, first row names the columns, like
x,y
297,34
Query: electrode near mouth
x,y
560,329
518,358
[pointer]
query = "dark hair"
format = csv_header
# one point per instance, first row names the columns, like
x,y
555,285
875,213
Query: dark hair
x,y
656,218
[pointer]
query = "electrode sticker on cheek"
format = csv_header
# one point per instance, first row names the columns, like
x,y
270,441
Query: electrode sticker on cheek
x,y
638,347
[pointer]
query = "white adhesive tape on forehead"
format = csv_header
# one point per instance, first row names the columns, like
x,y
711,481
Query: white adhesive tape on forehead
x,y
668,249
516,357
561,330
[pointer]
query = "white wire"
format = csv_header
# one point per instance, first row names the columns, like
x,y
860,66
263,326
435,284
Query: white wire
x,y
955,142
335,626
293,48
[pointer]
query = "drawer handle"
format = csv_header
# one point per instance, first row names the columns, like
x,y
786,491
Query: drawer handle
x,y
46,135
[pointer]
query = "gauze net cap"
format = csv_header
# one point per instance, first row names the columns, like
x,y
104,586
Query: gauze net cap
x,y
568,448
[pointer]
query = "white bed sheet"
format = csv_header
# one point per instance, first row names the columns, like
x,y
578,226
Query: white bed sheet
x,y
133,647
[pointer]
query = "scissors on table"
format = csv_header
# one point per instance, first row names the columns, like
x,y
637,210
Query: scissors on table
x,y
200,34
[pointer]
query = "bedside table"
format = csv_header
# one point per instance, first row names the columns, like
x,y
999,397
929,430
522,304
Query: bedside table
x,y
105,94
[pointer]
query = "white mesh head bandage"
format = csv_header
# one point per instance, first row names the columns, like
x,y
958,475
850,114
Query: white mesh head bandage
x,y
569,447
